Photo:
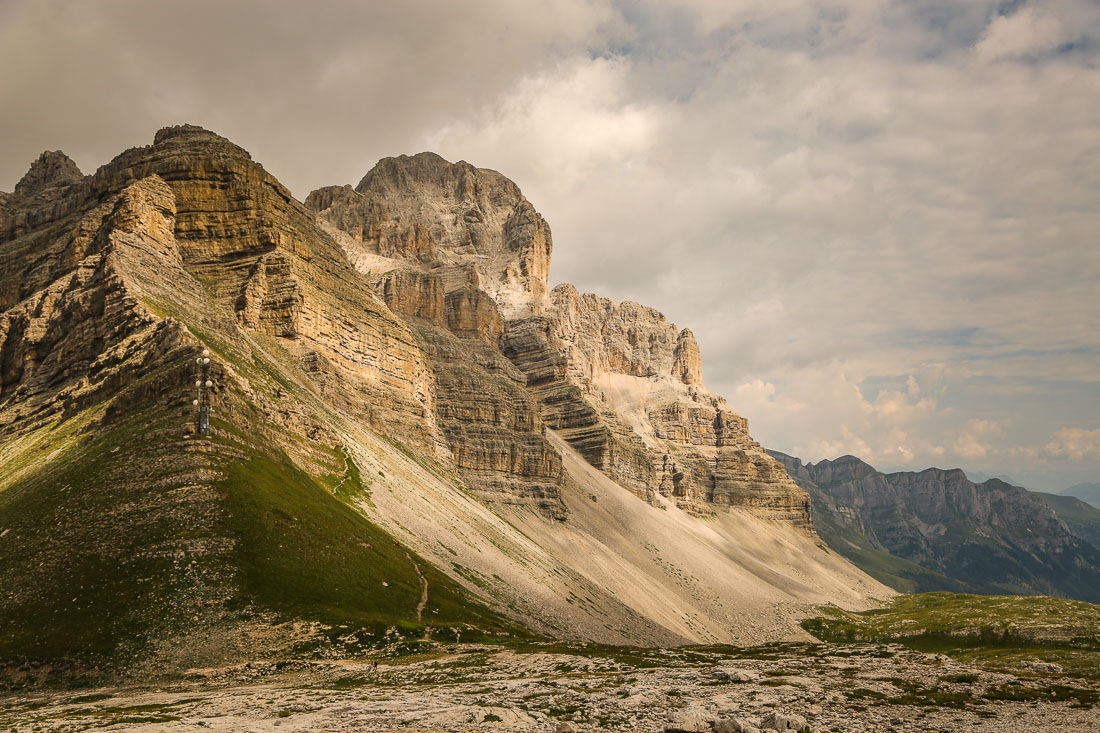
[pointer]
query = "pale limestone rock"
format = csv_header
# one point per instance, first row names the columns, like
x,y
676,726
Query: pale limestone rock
x,y
781,721
620,382
687,363
471,226
412,293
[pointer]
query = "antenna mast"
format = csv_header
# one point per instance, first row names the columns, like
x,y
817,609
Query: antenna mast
x,y
202,392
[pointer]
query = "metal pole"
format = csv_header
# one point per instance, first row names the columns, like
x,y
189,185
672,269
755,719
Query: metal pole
x,y
202,397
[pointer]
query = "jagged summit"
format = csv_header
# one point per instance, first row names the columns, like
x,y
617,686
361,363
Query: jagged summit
x,y
466,226
52,168
462,247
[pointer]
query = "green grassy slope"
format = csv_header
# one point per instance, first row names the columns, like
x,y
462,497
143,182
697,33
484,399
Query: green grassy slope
x,y
132,547
994,631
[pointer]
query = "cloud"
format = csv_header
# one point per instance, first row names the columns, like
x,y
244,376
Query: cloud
x,y
1073,444
973,440
826,415
1029,31
558,124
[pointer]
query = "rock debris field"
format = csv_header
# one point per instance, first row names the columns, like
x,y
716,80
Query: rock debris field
x,y
465,688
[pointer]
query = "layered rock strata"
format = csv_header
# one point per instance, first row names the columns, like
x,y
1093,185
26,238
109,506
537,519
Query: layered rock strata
x,y
470,226
462,248
492,426
625,388
257,253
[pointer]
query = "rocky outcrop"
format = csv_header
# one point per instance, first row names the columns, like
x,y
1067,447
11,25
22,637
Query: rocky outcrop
x,y
412,293
470,226
87,334
649,422
989,538
473,314
620,382
571,406
491,424
52,169
687,362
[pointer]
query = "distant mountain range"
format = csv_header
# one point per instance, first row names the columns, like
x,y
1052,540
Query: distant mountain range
x,y
1088,493
938,530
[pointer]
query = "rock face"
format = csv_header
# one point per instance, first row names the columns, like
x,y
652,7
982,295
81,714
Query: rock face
x,y
617,380
987,538
257,250
85,335
470,226
51,170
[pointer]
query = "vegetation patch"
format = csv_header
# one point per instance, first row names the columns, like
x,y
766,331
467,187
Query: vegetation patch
x,y
996,632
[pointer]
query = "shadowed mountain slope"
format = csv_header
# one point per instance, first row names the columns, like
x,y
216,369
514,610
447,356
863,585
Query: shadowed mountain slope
x,y
1088,493
937,530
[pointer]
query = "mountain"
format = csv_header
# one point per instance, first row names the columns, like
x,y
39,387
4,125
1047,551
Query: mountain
x,y
1088,493
980,477
937,530
412,434
1082,519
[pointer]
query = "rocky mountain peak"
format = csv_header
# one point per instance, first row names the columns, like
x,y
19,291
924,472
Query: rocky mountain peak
x,y
52,168
468,226
687,362
986,538
845,468
190,134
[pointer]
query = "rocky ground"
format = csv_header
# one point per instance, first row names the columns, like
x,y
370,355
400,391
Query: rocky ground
x,y
463,688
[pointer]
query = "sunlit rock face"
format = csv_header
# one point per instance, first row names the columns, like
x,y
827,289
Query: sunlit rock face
x,y
624,386
472,227
239,238
618,381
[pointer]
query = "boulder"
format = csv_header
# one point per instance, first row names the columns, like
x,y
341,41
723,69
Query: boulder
x,y
782,721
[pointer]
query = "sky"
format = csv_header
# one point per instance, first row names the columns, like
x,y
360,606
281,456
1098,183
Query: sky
x,y
880,218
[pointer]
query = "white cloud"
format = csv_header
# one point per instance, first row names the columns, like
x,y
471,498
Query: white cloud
x,y
973,440
1074,444
1030,31
558,124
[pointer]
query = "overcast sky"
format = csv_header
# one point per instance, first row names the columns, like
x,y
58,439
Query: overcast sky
x,y
879,218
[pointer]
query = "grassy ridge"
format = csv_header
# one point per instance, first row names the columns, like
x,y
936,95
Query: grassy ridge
x,y
132,543
302,550
995,631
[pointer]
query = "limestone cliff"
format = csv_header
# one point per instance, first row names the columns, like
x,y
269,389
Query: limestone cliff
x,y
470,226
619,382
653,425
258,254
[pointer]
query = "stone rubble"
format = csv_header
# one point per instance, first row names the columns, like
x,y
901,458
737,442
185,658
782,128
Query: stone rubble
x,y
797,688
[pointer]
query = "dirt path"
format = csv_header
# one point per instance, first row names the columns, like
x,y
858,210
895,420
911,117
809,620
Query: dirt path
x,y
423,590
347,471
